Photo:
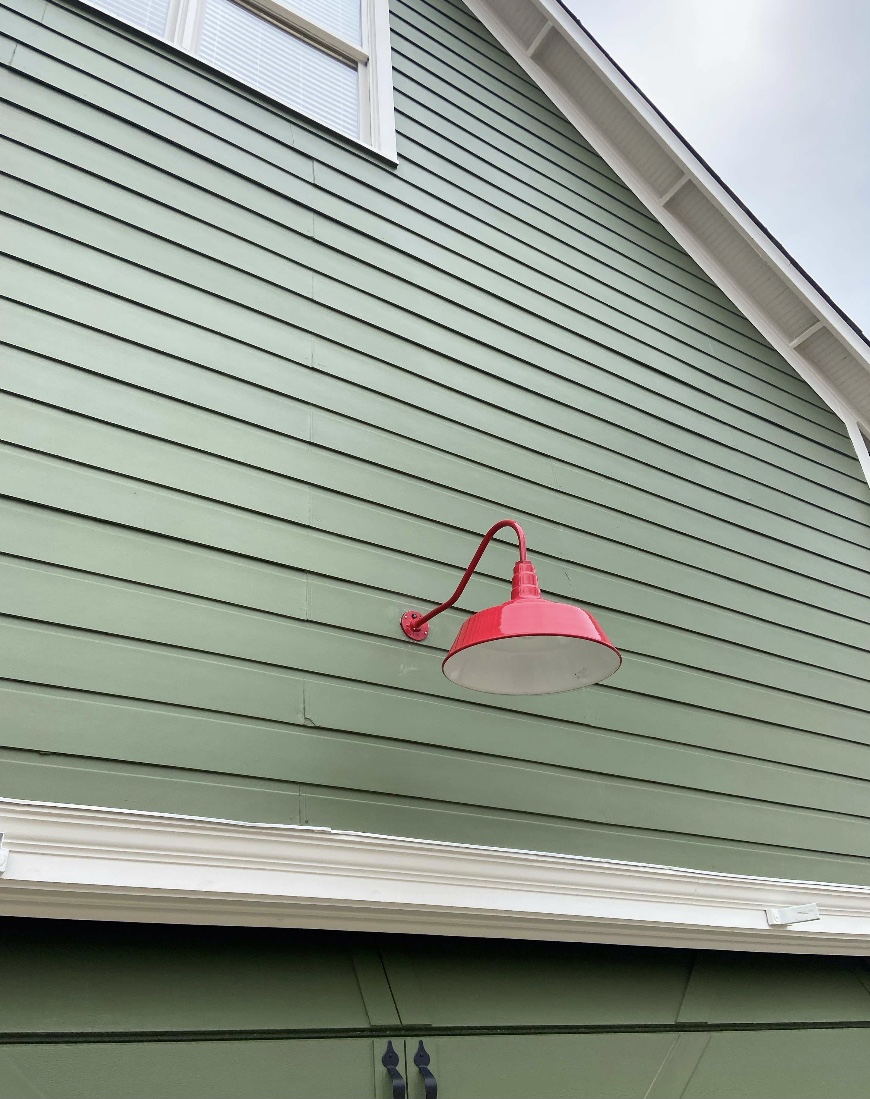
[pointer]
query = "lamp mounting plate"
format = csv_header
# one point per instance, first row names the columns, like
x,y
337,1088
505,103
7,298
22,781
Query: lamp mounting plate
x,y
416,633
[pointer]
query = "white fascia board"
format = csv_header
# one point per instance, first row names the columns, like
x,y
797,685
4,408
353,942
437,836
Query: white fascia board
x,y
494,16
860,446
84,862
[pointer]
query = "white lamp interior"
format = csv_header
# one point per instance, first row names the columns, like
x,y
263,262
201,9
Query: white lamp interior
x,y
531,665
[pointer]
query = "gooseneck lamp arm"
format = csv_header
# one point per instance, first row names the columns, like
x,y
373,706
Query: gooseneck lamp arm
x,y
416,626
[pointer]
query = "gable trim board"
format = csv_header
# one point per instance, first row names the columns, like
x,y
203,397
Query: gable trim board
x,y
860,445
93,863
678,188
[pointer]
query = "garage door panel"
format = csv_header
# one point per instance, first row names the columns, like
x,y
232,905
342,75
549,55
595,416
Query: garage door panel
x,y
293,1069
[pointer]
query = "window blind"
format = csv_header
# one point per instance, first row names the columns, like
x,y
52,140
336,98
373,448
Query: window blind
x,y
149,15
342,17
277,63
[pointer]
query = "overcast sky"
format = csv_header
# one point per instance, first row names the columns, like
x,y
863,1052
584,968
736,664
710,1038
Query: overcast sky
x,y
775,95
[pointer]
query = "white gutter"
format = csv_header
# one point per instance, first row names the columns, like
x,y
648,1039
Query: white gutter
x,y
82,862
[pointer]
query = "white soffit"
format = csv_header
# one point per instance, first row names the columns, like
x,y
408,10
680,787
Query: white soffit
x,y
679,190
80,862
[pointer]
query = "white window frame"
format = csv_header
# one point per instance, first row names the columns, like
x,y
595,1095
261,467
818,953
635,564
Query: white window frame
x,y
371,57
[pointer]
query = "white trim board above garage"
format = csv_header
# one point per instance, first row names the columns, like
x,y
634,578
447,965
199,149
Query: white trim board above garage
x,y
92,863
706,219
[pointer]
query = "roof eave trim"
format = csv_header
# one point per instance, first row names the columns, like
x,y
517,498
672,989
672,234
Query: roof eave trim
x,y
525,28
93,863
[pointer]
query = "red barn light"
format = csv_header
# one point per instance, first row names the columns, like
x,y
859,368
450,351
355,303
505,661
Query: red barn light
x,y
527,646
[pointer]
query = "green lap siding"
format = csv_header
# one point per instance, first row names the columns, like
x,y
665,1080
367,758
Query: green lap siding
x,y
260,392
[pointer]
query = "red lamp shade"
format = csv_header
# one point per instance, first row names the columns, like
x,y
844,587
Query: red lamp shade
x,y
530,645
526,646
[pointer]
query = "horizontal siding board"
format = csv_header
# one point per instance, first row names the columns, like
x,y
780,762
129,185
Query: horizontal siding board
x,y
89,138
35,653
470,51
634,599
554,240
442,107
344,435
150,454
831,437
364,612
373,712
466,103
116,727
698,311
549,445
35,592
506,236
329,605
293,421
115,552
499,74
788,372
261,393
390,767
731,391
313,387
113,45
590,348
267,331
163,789
675,310
653,752
355,305
448,88
456,21
735,512
405,816
783,453
554,317
34,9
16,161
489,781
460,187
82,781
156,561
248,157
728,667
457,121
87,69
717,417
658,677
242,323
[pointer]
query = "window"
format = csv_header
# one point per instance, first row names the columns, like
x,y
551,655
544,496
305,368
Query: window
x,y
329,59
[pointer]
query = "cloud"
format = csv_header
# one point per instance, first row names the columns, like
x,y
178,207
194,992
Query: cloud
x,y
775,94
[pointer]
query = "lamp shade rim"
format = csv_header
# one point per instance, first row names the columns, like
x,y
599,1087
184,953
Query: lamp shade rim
x,y
511,660
457,649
